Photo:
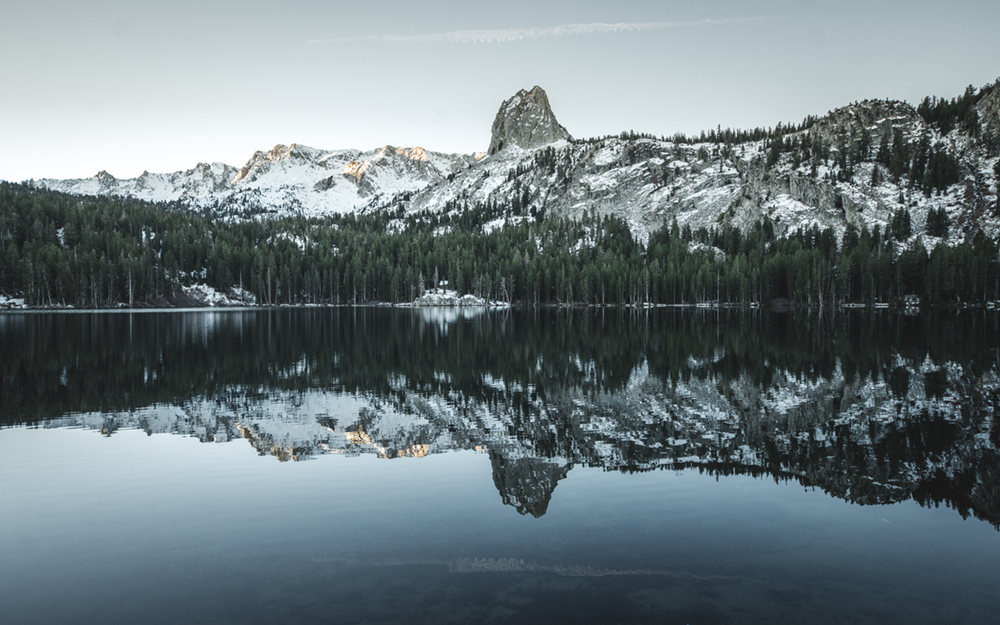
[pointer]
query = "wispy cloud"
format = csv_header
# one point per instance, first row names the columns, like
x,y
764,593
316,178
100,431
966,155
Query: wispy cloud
x,y
509,35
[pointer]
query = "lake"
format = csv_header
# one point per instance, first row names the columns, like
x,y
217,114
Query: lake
x,y
373,465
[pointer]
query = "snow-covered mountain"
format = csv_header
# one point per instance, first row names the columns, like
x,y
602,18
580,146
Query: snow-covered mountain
x,y
292,179
649,182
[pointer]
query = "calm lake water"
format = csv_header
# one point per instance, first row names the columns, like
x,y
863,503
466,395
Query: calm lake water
x,y
430,466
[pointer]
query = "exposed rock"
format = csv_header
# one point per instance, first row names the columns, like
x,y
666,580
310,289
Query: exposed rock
x,y
208,296
989,110
11,302
526,120
879,117
260,162
106,180
325,184
443,297
388,165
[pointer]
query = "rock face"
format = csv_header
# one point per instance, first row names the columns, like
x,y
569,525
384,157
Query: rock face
x,y
527,121
989,111
447,297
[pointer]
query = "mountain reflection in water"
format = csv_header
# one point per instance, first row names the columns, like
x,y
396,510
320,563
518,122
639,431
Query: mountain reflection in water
x,y
870,408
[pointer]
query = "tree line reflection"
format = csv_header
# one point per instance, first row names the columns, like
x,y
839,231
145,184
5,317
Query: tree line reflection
x,y
870,407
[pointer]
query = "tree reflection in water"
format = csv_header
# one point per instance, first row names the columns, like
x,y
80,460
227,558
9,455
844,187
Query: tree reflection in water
x,y
871,408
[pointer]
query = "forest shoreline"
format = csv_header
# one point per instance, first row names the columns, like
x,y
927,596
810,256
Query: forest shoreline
x,y
189,305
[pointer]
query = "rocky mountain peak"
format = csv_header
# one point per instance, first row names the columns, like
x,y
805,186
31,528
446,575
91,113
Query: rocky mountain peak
x,y
260,162
881,118
106,180
283,152
526,120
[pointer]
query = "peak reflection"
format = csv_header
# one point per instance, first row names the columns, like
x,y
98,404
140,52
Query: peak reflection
x,y
870,408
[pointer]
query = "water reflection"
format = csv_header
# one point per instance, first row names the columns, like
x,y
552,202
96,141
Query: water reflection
x,y
870,408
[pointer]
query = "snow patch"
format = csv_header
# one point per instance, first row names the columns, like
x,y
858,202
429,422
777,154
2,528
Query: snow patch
x,y
12,303
449,298
234,297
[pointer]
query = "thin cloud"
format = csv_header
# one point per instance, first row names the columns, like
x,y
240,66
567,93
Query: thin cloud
x,y
510,35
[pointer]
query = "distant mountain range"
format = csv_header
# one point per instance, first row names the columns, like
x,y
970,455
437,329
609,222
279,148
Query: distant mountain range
x,y
859,164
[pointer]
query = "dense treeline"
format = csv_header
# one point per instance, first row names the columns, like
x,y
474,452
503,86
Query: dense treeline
x,y
942,113
57,249
718,135
922,165
947,114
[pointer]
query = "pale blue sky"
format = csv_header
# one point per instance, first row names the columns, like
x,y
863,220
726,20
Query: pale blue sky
x,y
129,86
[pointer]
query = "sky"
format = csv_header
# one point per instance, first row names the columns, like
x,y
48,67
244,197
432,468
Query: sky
x,y
135,86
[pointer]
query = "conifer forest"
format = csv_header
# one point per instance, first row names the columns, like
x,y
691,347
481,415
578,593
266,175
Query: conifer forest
x,y
63,250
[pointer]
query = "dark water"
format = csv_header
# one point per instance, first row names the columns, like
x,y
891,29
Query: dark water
x,y
384,466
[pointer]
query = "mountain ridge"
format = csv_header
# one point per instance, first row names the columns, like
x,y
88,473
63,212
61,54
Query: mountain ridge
x,y
856,166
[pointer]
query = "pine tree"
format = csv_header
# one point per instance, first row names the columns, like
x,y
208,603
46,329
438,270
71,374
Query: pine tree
x,y
938,222
901,226
876,175
775,152
865,147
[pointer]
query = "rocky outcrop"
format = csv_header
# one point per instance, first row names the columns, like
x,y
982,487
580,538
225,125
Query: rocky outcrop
x,y
989,110
881,118
527,121
446,297
106,180
390,166
261,162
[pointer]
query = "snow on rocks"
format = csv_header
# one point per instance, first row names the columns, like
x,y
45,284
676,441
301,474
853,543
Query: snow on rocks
x,y
647,182
11,303
234,297
447,297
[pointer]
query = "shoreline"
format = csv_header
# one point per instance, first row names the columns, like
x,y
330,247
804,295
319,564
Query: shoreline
x,y
411,306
